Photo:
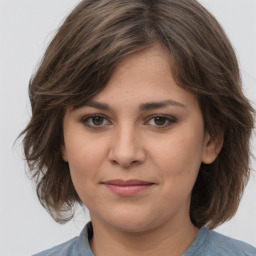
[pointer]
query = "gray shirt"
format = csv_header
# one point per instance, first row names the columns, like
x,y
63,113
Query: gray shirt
x,y
207,243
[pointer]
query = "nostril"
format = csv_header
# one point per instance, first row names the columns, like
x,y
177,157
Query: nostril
x,y
126,152
125,164
114,162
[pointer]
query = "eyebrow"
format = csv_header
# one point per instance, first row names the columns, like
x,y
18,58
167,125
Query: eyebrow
x,y
160,104
98,105
142,107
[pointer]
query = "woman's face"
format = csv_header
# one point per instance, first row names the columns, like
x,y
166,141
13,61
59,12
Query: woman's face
x,y
134,151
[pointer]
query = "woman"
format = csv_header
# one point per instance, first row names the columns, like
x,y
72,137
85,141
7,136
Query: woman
x,y
138,113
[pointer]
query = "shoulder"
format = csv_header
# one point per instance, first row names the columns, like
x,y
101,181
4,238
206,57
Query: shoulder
x,y
229,245
218,244
78,246
68,248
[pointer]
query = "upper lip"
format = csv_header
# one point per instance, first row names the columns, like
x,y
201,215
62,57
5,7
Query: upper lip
x,y
127,182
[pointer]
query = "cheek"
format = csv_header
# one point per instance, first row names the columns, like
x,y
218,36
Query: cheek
x,y
85,157
85,152
178,154
178,158
179,169
82,170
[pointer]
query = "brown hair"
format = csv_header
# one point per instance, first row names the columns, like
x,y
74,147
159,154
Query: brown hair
x,y
78,63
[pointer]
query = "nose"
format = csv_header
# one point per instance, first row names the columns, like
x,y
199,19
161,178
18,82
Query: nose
x,y
126,148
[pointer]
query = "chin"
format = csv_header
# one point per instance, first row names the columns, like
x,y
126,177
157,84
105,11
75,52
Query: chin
x,y
131,223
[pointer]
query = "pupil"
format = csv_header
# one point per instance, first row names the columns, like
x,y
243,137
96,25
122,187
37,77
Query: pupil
x,y
160,120
98,120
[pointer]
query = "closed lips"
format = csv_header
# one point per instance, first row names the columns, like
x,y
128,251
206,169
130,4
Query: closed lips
x,y
128,187
127,182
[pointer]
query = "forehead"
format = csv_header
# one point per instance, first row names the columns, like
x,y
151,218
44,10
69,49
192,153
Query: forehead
x,y
153,58
143,77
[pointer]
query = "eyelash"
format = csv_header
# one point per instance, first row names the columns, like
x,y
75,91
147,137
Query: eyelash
x,y
85,120
171,120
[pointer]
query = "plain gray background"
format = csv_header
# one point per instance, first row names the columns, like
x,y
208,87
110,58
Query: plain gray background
x,y
26,28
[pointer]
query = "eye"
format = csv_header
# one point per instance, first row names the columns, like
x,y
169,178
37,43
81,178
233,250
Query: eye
x,y
95,120
161,121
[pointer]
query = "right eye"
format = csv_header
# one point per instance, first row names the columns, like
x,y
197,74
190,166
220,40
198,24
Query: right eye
x,y
95,121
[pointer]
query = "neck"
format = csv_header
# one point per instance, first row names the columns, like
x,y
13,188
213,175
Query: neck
x,y
169,239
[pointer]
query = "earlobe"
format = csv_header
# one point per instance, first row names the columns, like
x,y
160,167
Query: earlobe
x,y
64,153
212,148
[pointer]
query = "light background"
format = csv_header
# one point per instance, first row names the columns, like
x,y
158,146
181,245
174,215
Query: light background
x,y
25,30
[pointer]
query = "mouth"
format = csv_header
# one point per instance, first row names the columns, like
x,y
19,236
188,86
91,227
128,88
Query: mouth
x,y
127,187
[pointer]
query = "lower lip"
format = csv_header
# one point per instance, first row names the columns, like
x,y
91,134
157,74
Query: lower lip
x,y
128,190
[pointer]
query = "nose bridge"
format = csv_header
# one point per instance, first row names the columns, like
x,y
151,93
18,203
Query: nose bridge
x,y
126,146
125,138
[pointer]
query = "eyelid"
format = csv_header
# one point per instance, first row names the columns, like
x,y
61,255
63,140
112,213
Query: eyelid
x,y
169,118
84,120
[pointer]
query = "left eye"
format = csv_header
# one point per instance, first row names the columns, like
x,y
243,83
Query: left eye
x,y
161,121
95,121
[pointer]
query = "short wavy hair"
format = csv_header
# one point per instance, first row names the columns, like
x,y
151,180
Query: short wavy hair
x,y
79,61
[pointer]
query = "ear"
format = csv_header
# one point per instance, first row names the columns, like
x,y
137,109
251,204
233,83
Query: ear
x,y
64,153
212,147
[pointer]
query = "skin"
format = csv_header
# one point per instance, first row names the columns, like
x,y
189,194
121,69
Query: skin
x,y
128,142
